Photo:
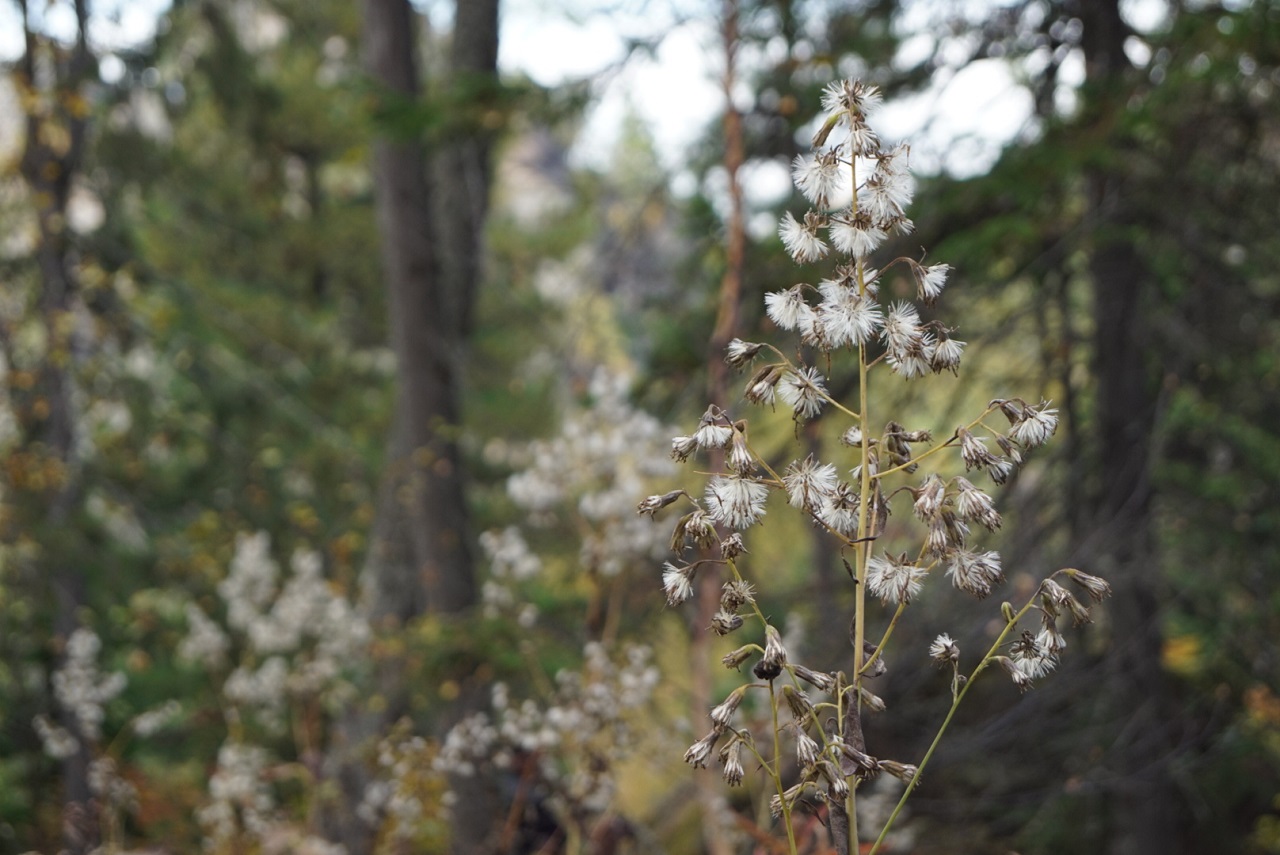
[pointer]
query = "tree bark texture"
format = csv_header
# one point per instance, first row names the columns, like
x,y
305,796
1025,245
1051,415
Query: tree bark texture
x,y
420,560
463,162
56,124
1144,812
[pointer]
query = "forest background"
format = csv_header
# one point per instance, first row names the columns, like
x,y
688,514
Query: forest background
x,y
333,373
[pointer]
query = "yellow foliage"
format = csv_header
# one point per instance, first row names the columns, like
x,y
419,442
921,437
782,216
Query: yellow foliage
x,y
1181,654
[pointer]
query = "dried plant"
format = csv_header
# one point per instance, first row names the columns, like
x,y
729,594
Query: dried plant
x,y
847,315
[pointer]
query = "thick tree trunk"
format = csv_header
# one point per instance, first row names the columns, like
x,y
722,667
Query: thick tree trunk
x,y
420,558
55,130
463,169
464,162
1144,805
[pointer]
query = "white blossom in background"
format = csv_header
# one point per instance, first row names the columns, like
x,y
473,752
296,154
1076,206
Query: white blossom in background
x,y
113,791
57,741
509,555
205,643
251,581
292,635
588,717
590,471
240,799
80,688
263,688
510,562
154,720
297,633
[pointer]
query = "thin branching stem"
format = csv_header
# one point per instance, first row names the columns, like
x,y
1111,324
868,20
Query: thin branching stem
x,y
776,771
902,607
864,521
821,394
948,444
987,659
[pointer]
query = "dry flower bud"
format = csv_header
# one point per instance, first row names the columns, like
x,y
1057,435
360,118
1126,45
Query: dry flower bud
x,y
790,796
731,759
682,447
928,498
788,309
944,649
973,451
699,751
806,750
946,355
974,572
735,594
712,432
801,238
999,470
803,391
1036,425
801,707
741,459
736,502
901,771
1012,409
736,658
1079,612
775,655
974,505
840,510
898,447
957,529
1009,449
739,353
809,482
723,623
677,582
1054,592
929,281
820,680
837,786
760,388
1050,639
858,762
697,526
869,650
1095,586
894,578
731,547
653,504
871,701
1020,678
937,542
723,713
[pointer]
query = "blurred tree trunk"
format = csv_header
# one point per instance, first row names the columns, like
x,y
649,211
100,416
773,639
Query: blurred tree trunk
x,y
56,123
1144,812
463,163
420,559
